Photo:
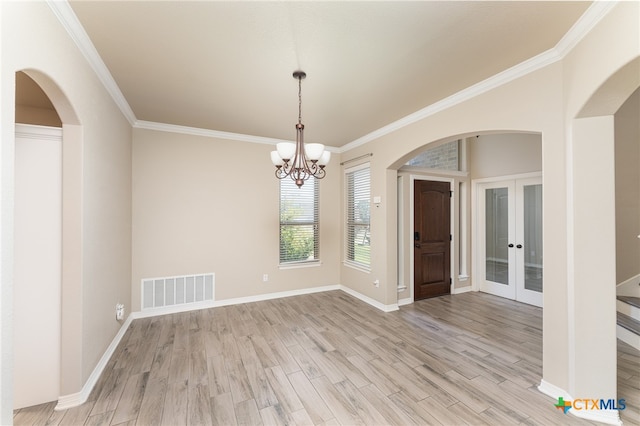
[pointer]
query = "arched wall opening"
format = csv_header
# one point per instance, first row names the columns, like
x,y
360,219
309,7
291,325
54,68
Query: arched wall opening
x,y
37,241
71,226
488,155
592,251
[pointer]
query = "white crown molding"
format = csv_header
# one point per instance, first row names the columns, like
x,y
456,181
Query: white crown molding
x,y
582,27
33,131
497,80
76,31
578,31
195,131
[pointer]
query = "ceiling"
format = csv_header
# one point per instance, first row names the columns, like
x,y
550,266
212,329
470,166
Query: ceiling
x,y
227,65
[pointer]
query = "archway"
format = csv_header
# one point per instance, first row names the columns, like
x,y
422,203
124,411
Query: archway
x,y
482,155
71,213
592,217
37,246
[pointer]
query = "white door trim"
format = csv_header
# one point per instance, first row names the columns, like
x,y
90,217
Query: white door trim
x,y
476,249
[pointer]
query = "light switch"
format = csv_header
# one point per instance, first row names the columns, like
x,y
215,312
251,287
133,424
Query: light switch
x,y
376,200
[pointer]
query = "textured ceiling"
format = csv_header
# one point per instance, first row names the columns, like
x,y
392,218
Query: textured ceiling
x,y
227,66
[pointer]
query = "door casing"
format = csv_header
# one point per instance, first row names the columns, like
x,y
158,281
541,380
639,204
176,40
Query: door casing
x,y
477,191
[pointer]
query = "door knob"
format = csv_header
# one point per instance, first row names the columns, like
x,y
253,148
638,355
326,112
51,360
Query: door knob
x,y
519,246
510,245
417,245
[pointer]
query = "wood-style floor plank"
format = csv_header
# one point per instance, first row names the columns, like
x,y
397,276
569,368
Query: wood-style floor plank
x,y
330,359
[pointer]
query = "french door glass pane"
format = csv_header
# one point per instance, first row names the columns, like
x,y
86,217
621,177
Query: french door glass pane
x,y
533,237
497,235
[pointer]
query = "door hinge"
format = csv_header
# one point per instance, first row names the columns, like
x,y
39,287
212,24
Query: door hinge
x,y
450,194
449,280
450,237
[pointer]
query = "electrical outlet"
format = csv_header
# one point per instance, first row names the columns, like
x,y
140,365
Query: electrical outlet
x,y
376,283
265,277
119,312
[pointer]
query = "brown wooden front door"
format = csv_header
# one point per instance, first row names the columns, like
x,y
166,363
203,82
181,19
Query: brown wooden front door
x,y
432,239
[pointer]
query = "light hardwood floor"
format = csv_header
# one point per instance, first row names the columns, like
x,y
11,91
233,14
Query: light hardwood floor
x,y
329,358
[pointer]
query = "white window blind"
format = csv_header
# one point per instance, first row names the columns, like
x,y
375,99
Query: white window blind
x,y
299,221
358,250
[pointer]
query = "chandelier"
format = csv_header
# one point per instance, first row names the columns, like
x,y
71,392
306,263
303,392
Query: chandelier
x,y
300,161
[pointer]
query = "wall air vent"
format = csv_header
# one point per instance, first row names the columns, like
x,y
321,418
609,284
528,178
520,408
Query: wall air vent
x,y
176,291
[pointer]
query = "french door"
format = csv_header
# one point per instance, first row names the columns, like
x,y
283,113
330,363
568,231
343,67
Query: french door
x,y
510,239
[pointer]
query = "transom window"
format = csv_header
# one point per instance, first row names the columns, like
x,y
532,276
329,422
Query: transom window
x,y
442,157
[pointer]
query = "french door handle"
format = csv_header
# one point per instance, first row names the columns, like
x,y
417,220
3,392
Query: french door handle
x,y
510,245
519,246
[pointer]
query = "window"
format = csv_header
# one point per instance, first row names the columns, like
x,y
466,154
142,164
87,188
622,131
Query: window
x,y
358,250
299,223
442,157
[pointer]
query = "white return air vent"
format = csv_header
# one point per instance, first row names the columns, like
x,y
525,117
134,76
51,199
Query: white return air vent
x,y
176,291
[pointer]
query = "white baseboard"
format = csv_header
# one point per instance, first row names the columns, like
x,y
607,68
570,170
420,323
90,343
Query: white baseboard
x,y
553,391
73,400
370,301
461,290
152,312
611,417
630,287
405,301
79,398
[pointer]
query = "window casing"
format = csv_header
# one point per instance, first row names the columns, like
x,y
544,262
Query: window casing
x,y
358,203
299,222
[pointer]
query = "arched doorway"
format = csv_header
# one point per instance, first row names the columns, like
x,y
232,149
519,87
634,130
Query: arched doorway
x,y
39,101
592,284
479,157
37,289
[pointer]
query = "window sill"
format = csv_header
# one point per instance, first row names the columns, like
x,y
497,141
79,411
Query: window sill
x,y
310,264
357,267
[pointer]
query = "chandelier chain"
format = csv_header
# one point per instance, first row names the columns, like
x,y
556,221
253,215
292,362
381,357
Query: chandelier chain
x,y
300,99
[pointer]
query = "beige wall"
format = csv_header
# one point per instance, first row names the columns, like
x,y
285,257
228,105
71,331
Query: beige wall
x,y
96,190
627,163
504,154
204,205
